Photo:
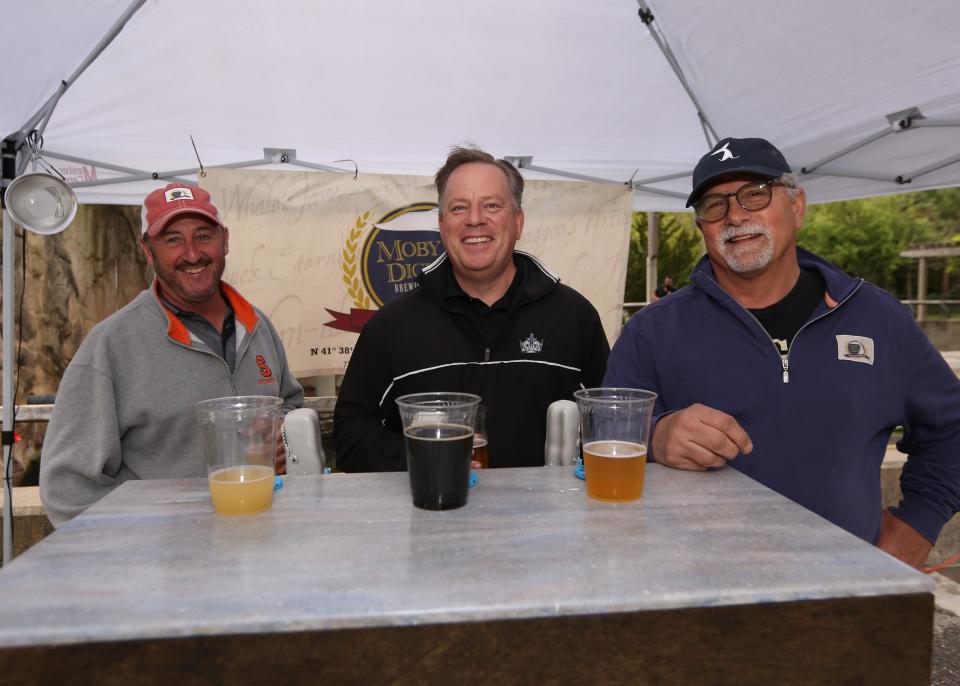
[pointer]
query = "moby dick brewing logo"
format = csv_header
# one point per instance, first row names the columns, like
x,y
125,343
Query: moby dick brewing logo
x,y
384,263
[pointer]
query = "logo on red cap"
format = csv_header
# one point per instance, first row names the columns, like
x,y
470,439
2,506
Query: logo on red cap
x,y
178,194
173,200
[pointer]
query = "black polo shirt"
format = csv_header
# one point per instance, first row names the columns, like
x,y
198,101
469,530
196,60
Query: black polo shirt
x,y
491,321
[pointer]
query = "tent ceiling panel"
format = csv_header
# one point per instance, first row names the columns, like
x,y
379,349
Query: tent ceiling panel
x,y
46,40
580,87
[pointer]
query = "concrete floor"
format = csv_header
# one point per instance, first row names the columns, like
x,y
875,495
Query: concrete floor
x,y
945,668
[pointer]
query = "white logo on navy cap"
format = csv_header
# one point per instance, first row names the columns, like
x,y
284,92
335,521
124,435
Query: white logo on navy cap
x,y
725,153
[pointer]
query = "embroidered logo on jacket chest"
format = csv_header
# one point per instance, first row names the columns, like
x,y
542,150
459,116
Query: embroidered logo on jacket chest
x,y
531,345
266,374
855,348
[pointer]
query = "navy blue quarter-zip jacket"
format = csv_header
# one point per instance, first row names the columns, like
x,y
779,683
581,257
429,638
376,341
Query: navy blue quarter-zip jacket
x,y
820,417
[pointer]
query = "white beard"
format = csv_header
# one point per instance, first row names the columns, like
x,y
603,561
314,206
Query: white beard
x,y
748,258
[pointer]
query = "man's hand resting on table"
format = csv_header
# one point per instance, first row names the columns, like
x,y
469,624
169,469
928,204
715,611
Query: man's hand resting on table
x,y
697,438
901,540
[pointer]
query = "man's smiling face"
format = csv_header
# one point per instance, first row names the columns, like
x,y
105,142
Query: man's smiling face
x,y
479,223
189,257
747,242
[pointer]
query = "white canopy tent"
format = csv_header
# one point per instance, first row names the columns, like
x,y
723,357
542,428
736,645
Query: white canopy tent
x,y
863,94
582,88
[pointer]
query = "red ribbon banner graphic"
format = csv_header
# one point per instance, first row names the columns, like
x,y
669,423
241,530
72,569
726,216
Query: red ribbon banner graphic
x,y
352,322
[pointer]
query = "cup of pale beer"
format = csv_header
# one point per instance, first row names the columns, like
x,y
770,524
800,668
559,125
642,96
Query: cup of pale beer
x,y
614,431
438,431
240,437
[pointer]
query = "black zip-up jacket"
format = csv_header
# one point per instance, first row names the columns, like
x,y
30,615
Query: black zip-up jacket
x,y
547,344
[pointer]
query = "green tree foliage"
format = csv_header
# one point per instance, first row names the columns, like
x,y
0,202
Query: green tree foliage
x,y
865,237
862,237
681,246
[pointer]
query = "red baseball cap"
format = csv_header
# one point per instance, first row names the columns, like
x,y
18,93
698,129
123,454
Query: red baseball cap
x,y
173,200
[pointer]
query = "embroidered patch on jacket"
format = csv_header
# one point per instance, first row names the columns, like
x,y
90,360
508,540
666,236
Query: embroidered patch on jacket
x,y
855,348
265,372
531,345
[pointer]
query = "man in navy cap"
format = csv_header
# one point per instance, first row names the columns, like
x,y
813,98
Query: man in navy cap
x,y
788,369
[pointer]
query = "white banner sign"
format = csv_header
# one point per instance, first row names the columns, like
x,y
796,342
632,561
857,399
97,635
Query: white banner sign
x,y
321,252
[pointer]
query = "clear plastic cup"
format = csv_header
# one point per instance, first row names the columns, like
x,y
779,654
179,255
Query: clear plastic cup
x,y
614,431
240,437
438,433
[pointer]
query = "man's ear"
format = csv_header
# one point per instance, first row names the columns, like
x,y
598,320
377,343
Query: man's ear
x,y
146,249
799,204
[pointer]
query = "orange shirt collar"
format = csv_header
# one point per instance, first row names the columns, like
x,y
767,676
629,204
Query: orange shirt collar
x,y
243,312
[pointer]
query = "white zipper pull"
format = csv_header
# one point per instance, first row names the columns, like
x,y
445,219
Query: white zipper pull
x,y
786,372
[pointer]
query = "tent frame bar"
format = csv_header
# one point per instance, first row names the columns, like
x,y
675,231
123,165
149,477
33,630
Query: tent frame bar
x,y
665,177
851,175
883,133
42,116
526,162
646,16
900,122
924,123
907,178
269,157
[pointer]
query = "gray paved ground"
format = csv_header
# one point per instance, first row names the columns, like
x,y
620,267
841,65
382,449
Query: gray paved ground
x,y
945,669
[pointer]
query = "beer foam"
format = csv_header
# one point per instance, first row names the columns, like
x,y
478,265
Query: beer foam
x,y
615,449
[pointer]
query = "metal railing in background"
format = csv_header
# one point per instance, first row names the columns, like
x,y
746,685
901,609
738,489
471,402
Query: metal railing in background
x,y
948,307
41,413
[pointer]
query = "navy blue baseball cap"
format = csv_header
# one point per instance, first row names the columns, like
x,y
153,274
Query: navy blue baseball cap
x,y
737,155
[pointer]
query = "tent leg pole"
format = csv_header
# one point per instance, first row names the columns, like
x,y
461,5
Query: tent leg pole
x,y
8,308
921,289
653,252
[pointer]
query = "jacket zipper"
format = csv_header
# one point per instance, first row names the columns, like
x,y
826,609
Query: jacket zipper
x,y
233,374
486,354
785,359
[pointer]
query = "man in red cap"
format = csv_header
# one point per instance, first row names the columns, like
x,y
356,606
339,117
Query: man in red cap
x,y
124,409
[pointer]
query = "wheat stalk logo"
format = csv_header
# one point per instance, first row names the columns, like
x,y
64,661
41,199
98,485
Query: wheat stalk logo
x,y
348,265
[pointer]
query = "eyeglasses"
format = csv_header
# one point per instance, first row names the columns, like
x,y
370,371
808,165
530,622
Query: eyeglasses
x,y
751,197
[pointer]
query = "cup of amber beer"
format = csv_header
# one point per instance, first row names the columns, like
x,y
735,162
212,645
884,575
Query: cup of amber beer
x,y
438,433
240,437
614,430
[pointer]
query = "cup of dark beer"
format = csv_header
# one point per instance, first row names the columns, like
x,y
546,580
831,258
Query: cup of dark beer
x,y
438,431
614,430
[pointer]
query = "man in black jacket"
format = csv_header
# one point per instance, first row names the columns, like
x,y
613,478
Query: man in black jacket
x,y
486,319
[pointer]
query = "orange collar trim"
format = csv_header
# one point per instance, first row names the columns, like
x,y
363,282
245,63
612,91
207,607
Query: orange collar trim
x,y
243,312
831,303
175,329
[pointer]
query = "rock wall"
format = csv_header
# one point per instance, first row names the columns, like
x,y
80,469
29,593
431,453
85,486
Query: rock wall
x,y
73,280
